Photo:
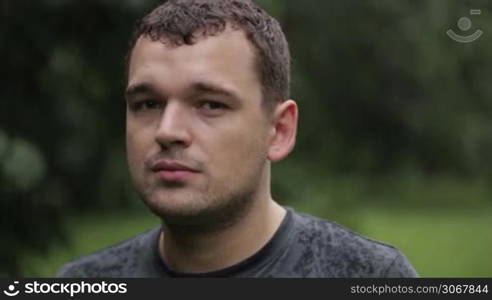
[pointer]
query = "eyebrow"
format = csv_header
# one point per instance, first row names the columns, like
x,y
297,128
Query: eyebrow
x,y
138,88
198,86
207,87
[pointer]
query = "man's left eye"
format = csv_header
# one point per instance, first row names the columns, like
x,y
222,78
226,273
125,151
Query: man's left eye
x,y
213,105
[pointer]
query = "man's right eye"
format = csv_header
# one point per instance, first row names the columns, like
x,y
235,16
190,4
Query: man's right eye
x,y
148,104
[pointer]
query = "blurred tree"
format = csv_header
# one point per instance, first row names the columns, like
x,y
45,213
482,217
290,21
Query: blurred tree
x,y
383,88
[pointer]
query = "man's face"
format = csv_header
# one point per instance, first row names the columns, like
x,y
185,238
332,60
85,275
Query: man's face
x,y
197,135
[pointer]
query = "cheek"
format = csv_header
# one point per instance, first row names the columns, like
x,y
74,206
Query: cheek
x,y
131,156
236,149
136,147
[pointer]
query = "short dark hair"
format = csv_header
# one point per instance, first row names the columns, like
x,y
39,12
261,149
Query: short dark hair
x,y
177,22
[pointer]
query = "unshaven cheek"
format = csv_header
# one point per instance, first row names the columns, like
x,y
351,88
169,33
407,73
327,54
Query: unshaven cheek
x,y
239,150
137,149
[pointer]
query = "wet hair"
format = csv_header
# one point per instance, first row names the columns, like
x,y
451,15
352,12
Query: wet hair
x,y
183,22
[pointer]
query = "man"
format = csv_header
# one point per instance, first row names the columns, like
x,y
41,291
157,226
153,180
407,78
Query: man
x,y
207,113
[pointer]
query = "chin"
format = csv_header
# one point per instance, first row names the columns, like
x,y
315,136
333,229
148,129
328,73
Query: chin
x,y
192,209
175,203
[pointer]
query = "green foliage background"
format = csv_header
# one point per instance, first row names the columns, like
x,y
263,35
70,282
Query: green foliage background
x,y
395,133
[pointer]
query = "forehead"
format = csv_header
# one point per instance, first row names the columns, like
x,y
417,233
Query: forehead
x,y
228,57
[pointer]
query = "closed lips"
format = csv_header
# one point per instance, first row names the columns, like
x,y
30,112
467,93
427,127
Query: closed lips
x,y
171,166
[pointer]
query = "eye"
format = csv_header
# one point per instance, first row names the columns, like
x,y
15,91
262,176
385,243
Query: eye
x,y
147,104
213,105
210,108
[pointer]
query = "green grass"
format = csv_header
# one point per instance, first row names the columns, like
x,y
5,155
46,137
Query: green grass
x,y
439,243
88,234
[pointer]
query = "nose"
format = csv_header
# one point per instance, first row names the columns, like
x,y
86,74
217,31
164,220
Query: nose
x,y
173,126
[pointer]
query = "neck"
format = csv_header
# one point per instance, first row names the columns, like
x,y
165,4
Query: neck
x,y
207,251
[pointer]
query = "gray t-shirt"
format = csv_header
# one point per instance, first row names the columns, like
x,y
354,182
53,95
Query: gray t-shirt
x,y
303,246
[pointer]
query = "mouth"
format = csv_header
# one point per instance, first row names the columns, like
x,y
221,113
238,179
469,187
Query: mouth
x,y
169,170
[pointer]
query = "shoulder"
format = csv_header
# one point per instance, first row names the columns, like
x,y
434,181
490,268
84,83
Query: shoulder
x,y
339,252
121,260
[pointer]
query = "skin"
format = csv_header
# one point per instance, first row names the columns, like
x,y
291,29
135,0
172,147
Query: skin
x,y
200,106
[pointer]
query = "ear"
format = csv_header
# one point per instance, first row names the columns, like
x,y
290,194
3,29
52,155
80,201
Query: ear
x,y
284,130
